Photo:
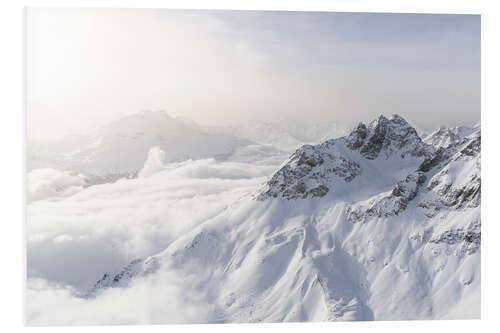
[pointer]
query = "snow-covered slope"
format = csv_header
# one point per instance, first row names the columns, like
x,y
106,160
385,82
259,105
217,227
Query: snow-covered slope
x,y
444,137
121,147
376,225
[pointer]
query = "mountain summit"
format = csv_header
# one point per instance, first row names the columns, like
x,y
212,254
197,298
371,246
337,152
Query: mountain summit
x,y
386,136
385,146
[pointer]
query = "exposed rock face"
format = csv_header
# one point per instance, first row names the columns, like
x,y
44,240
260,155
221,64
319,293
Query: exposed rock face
x,y
390,203
469,238
357,137
308,171
473,148
433,160
386,136
122,278
465,196
455,236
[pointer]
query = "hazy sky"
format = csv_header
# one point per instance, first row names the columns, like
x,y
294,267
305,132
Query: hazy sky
x,y
86,67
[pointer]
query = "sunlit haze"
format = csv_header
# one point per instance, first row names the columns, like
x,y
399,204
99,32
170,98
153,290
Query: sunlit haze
x,y
86,67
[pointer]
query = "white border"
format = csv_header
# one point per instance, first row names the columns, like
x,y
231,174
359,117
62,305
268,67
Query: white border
x,y
12,154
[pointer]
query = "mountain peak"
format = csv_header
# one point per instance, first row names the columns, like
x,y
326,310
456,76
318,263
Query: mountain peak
x,y
310,171
380,120
385,135
396,118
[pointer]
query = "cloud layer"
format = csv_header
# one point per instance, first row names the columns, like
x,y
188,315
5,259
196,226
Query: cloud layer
x,y
143,302
54,184
103,227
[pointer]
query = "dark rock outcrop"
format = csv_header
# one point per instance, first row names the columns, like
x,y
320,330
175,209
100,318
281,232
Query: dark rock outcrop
x,y
391,204
121,279
387,136
308,173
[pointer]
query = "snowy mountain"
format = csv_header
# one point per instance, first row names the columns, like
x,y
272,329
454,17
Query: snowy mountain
x,y
375,225
121,147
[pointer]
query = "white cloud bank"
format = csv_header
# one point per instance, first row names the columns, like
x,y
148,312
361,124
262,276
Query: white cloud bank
x,y
152,300
72,241
101,228
154,163
52,183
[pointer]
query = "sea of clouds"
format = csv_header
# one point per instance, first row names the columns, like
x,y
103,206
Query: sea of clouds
x,y
76,233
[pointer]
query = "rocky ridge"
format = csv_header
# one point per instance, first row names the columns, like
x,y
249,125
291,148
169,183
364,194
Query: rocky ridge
x,y
312,170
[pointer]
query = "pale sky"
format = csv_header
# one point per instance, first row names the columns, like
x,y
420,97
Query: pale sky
x,y
86,67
